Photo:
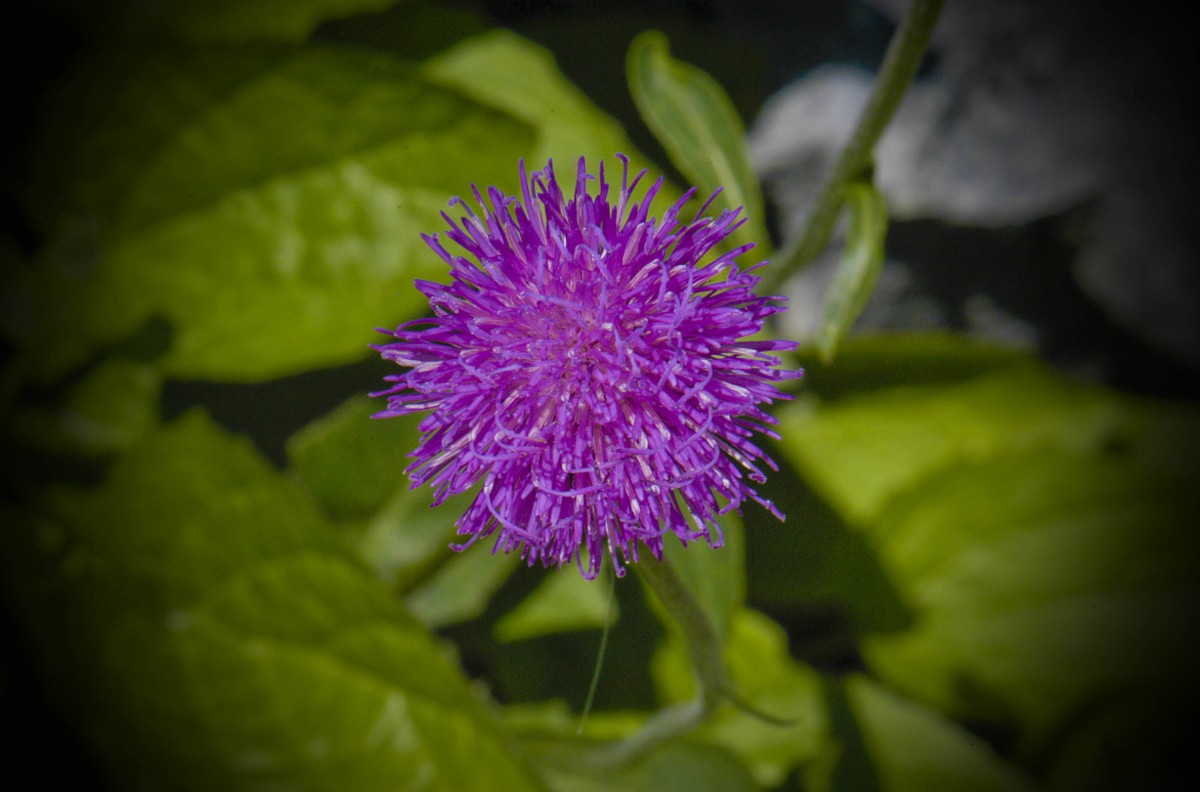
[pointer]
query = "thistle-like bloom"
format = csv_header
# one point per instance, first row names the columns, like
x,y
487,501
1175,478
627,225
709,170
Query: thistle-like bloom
x,y
588,366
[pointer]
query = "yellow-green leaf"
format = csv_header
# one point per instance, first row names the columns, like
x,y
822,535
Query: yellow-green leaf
x,y
695,121
209,630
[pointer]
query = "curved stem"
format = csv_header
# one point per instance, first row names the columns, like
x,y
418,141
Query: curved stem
x,y
703,643
704,651
900,65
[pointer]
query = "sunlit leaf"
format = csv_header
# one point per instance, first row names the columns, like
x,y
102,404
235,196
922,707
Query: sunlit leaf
x,y
860,452
696,123
548,721
1032,526
267,202
523,81
210,631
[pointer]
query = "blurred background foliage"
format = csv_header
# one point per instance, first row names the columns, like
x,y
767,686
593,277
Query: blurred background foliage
x,y
215,576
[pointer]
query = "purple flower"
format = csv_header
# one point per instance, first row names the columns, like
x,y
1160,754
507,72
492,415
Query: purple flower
x,y
588,366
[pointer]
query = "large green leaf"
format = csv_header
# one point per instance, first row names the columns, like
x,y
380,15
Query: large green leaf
x,y
1044,582
267,202
351,463
213,21
815,566
564,745
1033,527
862,451
884,743
502,70
696,123
106,411
676,767
354,467
211,631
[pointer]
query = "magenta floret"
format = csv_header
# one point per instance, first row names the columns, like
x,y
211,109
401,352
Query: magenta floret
x,y
590,370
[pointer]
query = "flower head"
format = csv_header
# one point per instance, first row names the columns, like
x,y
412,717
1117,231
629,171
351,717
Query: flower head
x,y
588,366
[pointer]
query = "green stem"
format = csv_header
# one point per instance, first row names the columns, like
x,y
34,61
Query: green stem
x,y
703,643
704,651
900,65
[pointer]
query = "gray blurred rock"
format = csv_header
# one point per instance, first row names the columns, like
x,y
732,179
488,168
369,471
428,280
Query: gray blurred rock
x,y
1032,109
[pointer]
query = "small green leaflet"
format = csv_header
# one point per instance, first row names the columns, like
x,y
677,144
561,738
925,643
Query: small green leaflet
x,y
859,268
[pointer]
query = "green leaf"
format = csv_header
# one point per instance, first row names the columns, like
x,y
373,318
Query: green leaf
x,y
215,21
1044,582
715,577
563,602
550,724
694,119
767,678
861,451
885,743
42,296
521,79
875,362
267,202
677,766
210,631
407,540
461,588
354,467
1035,529
351,463
859,268
104,413
549,731
813,565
